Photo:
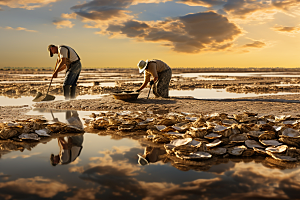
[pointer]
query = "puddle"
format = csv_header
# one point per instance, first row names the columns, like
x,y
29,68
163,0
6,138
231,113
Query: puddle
x,y
107,167
217,94
258,74
6,101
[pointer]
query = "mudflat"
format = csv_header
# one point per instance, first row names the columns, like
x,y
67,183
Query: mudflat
x,y
20,83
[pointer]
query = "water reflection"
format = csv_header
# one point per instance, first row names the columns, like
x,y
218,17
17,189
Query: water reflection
x,y
108,169
70,146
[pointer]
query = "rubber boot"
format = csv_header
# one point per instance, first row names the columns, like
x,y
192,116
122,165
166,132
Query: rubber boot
x,y
66,89
73,92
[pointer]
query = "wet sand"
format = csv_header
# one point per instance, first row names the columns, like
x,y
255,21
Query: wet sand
x,y
129,79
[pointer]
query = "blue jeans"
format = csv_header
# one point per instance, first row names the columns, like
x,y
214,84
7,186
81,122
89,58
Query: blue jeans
x,y
72,74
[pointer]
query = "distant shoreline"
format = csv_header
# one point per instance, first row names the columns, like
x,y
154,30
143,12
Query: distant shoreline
x,y
178,70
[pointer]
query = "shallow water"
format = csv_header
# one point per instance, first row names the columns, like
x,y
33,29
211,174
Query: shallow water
x,y
196,93
107,168
256,74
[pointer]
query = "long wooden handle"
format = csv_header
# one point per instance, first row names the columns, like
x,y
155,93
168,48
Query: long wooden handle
x,y
149,92
49,86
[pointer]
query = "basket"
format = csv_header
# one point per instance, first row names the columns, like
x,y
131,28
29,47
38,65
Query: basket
x,y
126,95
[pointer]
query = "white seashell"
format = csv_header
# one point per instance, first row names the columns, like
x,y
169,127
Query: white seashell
x,y
197,155
237,150
290,122
214,143
191,118
29,136
218,150
252,143
180,142
43,132
270,142
124,113
279,149
277,128
185,113
282,117
282,157
160,127
213,136
290,132
146,121
219,128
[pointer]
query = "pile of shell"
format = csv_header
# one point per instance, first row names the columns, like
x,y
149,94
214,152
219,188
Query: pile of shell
x,y
34,130
197,137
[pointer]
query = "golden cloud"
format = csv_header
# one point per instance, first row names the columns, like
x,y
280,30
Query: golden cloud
x,y
19,29
287,30
44,188
26,4
69,16
63,24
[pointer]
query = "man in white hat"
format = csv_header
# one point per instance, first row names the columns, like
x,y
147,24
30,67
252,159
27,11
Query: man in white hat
x,y
67,59
161,74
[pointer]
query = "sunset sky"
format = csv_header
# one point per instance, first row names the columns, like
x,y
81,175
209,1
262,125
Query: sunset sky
x,y
183,33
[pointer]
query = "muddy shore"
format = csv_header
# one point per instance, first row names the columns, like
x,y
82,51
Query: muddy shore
x,y
129,80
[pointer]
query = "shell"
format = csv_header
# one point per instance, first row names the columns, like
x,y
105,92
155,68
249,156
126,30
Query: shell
x,y
214,143
229,121
254,134
126,127
278,149
238,138
193,119
29,136
260,151
282,157
213,136
43,132
237,150
180,142
217,151
167,122
290,132
160,127
252,143
199,155
270,142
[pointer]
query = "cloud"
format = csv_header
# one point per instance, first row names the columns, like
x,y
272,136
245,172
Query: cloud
x,y
287,30
26,4
204,3
27,187
285,4
63,24
192,33
102,9
68,16
240,181
18,29
255,44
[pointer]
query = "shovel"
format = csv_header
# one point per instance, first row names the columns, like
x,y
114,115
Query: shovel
x,y
40,97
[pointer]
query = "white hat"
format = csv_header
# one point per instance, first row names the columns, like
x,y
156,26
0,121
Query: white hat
x,y
142,160
142,65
